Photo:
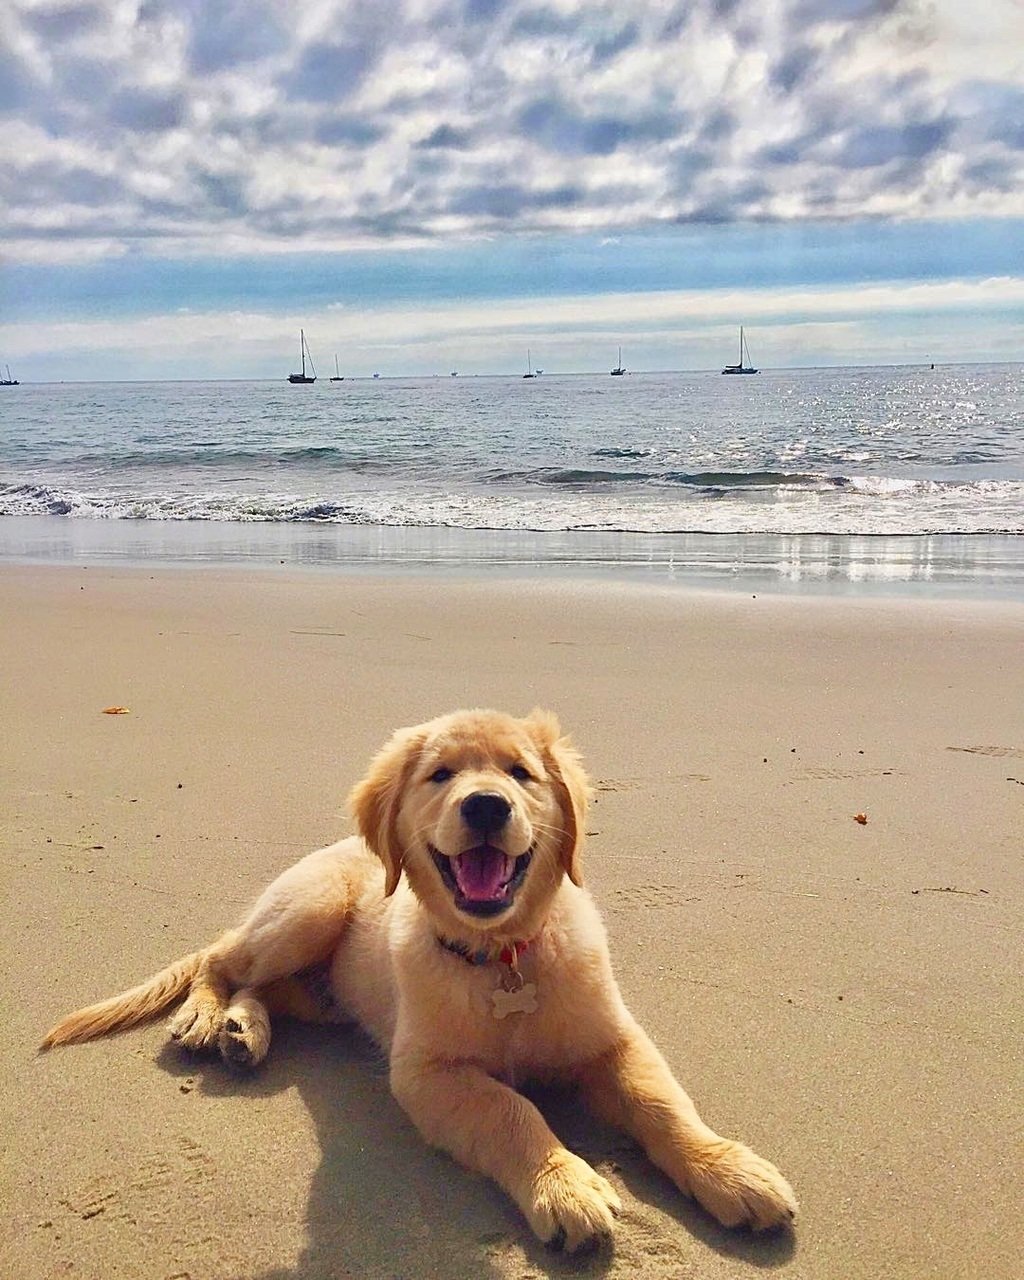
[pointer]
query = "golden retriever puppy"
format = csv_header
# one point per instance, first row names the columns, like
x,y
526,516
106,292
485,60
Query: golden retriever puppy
x,y
456,930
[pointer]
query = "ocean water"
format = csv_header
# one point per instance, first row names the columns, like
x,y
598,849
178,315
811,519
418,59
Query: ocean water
x,y
588,460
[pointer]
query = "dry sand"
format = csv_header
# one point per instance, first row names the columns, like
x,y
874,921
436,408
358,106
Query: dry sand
x,y
845,997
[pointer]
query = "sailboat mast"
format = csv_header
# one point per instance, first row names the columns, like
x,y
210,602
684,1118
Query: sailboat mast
x,y
302,350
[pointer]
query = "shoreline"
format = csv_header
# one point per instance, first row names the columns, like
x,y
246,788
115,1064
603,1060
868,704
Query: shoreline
x,y
921,566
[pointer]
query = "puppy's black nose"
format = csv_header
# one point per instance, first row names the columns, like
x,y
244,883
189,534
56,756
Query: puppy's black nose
x,y
485,811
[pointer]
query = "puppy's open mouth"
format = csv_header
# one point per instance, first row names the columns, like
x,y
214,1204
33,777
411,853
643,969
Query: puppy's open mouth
x,y
482,880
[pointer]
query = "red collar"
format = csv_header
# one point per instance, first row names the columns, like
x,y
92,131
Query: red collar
x,y
507,954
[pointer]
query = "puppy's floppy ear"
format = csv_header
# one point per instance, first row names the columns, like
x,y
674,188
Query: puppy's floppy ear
x,y
571,783
376,800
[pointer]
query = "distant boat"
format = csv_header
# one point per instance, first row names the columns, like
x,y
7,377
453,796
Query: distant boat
x,y
529,367
304,350
454,373
744,365
620,368
337,375
9,381
376,375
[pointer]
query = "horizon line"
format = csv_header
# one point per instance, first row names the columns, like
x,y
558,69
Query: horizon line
x,y
563,373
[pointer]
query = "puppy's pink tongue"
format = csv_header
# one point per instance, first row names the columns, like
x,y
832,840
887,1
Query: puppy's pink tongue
x,y
481,873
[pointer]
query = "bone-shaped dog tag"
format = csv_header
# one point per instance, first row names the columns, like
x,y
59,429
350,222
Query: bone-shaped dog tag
x,y
521,1000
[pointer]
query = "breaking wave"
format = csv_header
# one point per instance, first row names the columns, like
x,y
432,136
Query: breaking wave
x,y
841,505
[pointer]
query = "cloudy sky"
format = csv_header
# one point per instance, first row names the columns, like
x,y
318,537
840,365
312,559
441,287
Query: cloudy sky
x,y
435,184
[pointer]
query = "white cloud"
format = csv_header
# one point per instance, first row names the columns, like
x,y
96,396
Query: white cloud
x,y
228,128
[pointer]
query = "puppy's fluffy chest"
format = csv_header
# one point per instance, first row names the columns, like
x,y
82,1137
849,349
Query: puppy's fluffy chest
x,y
569,1009
393,974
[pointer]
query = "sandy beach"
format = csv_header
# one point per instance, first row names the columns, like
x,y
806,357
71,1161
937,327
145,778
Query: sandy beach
x,y
845,997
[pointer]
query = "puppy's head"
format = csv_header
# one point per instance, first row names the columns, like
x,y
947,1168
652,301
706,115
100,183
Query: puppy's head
x,y
483,812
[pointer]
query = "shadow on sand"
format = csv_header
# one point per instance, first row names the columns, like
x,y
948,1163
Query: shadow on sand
x,y
384,1204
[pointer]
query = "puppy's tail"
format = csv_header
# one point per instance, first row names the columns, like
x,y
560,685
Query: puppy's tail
x,y
128,1009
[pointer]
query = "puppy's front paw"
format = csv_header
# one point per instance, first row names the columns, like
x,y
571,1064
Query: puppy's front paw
x,y
740,1188
571,1204
245,1034
197,1023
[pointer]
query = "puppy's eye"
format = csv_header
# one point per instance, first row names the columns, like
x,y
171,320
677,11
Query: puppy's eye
x,y
521,773
441,775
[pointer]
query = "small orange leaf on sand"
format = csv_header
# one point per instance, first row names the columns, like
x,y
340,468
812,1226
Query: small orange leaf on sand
x,y
862,818
116,711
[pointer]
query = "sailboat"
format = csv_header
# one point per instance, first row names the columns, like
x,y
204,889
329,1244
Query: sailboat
x,y
337,376
744,365
13,382
304,349
529,367
620,368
